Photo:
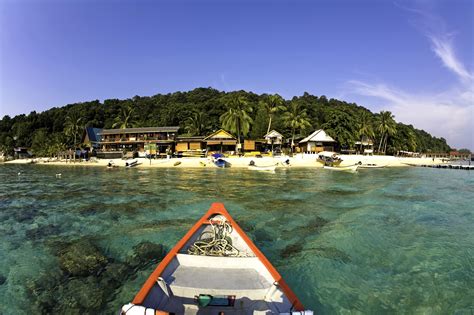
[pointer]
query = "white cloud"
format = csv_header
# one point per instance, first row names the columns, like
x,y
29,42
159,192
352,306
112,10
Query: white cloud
x,y
449,113
444,50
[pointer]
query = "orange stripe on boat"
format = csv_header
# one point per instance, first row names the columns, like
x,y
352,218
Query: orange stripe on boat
x,y
216,208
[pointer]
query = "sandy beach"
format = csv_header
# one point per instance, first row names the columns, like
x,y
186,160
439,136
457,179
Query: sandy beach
x,y
299,160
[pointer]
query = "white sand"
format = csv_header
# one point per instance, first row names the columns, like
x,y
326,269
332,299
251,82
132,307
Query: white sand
x,y
300,160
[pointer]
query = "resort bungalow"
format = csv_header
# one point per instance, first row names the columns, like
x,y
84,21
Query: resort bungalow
x,y
365,145
134,139
91,138
221,141
22,153
190,146
274,138
316,142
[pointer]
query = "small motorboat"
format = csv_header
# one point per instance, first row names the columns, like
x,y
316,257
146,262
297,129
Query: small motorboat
x,y
371,165
329,160
268,168
215,269
131,163
348,168
218,160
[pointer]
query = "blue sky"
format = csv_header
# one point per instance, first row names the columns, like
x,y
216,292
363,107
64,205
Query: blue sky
x,y
415,58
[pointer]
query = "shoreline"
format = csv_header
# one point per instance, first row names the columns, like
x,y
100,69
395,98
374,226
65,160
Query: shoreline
x,y
300,160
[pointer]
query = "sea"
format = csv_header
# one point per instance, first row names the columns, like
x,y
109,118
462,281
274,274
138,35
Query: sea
x,y
379,241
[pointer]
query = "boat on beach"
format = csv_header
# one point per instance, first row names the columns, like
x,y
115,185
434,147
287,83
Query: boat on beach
x,y
215,269
268,168
348,168
328,158
372,165
265,168
131,163
218,160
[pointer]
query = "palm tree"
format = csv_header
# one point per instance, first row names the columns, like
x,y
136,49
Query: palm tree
x,y
272,105
297,119
237,119
73,126
125,119
365,127
197,124
387,126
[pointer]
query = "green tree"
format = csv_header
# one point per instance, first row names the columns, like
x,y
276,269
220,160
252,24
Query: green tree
x,y
295,118
73,127
365,127
6,144
197,124
272,104
387,126
237,119
464,151
341,126
40,142
125,119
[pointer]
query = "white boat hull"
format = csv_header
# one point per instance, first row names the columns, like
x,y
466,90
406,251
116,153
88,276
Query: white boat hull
x,y
270,168
371,166
350,168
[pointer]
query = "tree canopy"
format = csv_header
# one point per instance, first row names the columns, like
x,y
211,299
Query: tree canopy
x,y
204,110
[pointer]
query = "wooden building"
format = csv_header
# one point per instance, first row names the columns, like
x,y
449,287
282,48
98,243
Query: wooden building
x,y
221,142
91,138
274,139
190,146
365,146
134,139
316,142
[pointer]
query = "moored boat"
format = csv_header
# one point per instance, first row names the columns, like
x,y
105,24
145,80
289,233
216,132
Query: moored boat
x,y
131,163
268,168
329,159
215,269
371,165
348,168
218,160
265,168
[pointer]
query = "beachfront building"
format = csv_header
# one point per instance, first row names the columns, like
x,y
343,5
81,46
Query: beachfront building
x,y
316,142
22,153
274,139
91,138
365,145
190,146
221,141
135,139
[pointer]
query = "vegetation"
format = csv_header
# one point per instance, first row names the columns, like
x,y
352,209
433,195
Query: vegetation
x,y
295,118
237,117
203,110
386,126
126,118
272,104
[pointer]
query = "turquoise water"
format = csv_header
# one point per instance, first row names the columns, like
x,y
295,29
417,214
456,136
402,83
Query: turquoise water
x,y
376,242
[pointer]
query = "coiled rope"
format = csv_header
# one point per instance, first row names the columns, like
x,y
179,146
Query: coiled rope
x,y
216,242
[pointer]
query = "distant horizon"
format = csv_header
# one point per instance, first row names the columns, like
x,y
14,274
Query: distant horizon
x,y
413,58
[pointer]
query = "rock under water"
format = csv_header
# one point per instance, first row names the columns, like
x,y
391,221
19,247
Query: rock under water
x,y
88,278
81,259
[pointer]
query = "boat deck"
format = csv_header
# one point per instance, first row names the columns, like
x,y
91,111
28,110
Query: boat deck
x,y
218,278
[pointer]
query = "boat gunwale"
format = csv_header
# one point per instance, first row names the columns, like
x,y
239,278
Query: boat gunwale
x,y
216,208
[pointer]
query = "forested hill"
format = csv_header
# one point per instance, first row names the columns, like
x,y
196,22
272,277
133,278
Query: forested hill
x,y
205,109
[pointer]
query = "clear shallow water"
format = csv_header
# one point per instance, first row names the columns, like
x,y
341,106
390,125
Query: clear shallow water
x,y
380,241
